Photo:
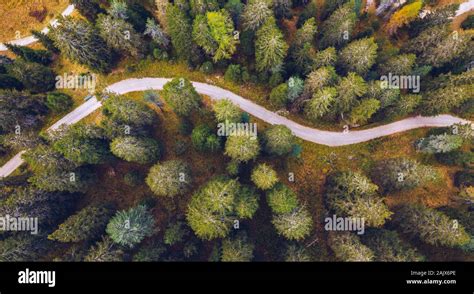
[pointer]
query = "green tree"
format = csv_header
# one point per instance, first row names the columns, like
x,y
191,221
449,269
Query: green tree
x,y
180,31
358,56
270,47
237,249
302,50
58,102
180,94
39,56
363,112
87,224
326,57
431,226
387,246
242,147
226,111
134,149
104,251
46,41
127,111
321,103
169,178
82,144
337,29
204,140
278,140
282,199
321,77
397,174
279,95
130,227
35,77
347,247
156,33
88,8
255,14
120,35
354,195
200,7
74,180
442,143
295,225
295,88
80,42
214,32
348,90
399,65
264,177
216,205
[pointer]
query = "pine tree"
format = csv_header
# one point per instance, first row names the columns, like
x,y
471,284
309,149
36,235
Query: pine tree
x,y
217,204
237,249
133,149
242,147
347,247
278,140
442,143
363,112
120,35
226,111
30,55
88,8
337,29
358,56
431,226
270,47
156,33
264,177
169,178
81,42
255,14
180,31
295,225
214,32
130,227
180,94
320,104
348,90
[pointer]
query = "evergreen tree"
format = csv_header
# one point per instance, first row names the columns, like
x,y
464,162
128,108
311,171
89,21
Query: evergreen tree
x,y
104,251
270,47
130,227
431,226
358,56
278,140
30,55
237,249
169,178
348,90
214,32
35,77
337,29
46,41
347,247
226,111
88,8
397,174
242,147
180,31
282,199
321,103
180,94
439,143
81,42
134,149
120,35
387,246
264,177
363,112
295,225
127,111
87,224
255,14
216,205
156,33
